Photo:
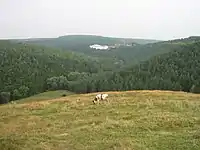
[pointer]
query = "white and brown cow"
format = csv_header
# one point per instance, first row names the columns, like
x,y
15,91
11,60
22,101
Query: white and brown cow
x,y
101,97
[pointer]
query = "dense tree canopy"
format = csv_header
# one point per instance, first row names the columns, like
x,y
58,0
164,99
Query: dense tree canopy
x,y
177,70
25,68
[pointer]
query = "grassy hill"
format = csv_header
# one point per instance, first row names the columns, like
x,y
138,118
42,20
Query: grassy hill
x,y
142,120
46,96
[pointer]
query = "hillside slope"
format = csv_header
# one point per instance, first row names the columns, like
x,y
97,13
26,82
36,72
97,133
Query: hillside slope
x,y
177,70
72,40
25,68
80,43
45,96
123,55
131,120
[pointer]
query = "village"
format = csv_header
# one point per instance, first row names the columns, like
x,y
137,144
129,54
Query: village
x,y
109,47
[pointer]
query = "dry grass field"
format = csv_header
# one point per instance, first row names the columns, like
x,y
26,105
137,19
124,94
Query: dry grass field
x,y
135,120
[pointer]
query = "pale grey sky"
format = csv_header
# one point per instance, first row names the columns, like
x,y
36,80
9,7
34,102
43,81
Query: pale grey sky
x,y
155,19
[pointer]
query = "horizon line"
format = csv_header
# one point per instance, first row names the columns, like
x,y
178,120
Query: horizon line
x,y
52,37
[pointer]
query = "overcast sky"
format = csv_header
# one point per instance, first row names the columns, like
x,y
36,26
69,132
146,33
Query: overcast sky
x,y
154,19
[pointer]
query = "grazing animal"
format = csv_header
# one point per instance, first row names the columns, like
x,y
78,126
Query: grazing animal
x,y
100,97
104,96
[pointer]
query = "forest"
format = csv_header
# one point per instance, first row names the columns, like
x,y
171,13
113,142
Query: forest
x,y
177,70
27,69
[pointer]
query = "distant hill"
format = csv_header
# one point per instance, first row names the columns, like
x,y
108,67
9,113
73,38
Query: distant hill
x,y
81,43
118,57
187,40
71,40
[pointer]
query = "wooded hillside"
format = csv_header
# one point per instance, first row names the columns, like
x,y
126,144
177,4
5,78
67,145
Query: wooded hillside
x,y
25,68
118,57
178,70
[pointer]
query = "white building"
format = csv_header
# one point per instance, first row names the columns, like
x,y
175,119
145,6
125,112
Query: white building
x,y
101,47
